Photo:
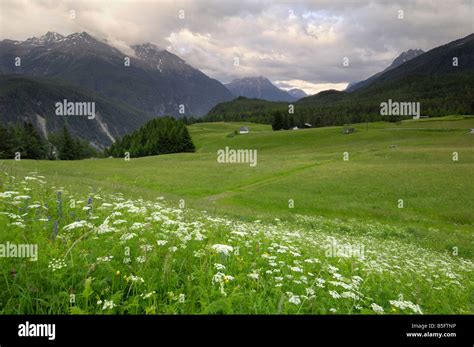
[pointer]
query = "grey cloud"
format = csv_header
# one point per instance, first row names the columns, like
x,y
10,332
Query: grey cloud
x,y
309,46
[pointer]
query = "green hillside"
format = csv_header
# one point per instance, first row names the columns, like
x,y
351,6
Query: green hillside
x,y
432,79
302,232
387,162
33,99
438,95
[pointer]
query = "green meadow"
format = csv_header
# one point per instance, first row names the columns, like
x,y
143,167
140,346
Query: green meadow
x,y
411,161
387,231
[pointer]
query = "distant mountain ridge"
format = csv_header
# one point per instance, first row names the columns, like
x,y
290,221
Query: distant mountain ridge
x,y
401,59
156,81
440,80
297,93
438,61
258,88
33,99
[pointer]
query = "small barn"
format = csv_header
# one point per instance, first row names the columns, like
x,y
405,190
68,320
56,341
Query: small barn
x,y
243,130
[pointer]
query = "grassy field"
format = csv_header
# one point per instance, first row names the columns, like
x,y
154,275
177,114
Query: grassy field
x,y
428,244
412,161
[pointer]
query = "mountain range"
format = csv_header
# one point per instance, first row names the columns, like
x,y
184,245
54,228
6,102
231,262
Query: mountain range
x,y
297,93
130,89
260,88
148,78
401,59
441,80
33,99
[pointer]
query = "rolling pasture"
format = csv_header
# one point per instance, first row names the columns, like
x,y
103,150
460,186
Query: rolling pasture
x,y
387,162
208,237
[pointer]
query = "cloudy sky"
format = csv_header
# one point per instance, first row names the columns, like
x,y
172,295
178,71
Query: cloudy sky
x,y
299,44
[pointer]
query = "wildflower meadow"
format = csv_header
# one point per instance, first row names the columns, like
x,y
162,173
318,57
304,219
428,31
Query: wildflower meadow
x,y
100,253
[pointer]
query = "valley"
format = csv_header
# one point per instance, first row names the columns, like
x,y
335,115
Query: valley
x,y
387,162
132,182
302,232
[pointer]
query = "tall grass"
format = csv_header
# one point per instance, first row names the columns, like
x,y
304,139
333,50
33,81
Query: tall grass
x,y
105,254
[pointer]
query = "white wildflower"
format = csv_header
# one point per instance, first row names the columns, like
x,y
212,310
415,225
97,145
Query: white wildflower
x,y
295,299
119,221
350,295
222,249
127,236
199,253
403,305
108,305
56,264
22,197
219,266
79,224
105,259
376,308
253,275
334,294
147,248
134,278
296,269
148,295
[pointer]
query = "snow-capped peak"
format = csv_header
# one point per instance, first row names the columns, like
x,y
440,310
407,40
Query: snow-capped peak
x,y
406,56
52,38
49,37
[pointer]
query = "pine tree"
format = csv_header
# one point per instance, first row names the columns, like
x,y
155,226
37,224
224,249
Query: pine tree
x,y
159,136
67,145
34,145
277,123
5,144
16,139
291,121
286,123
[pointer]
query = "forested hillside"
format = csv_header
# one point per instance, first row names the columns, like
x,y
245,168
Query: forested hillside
x,y
158,136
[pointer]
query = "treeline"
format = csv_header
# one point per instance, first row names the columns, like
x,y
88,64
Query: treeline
x,y
243,109
282,121
22,141
279,116
327,108
158,136
438,96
